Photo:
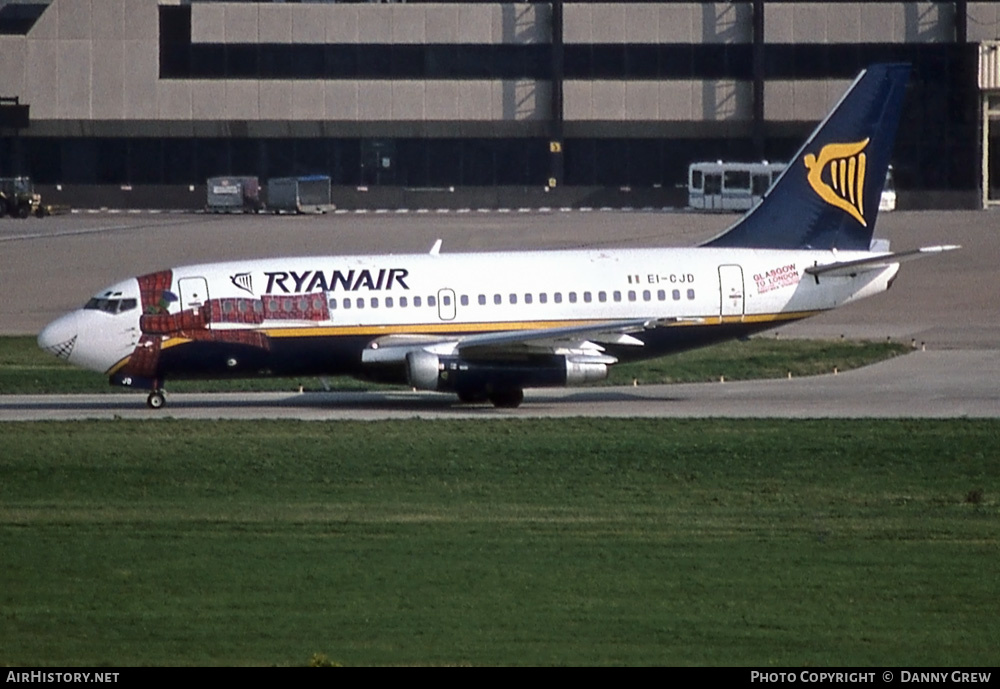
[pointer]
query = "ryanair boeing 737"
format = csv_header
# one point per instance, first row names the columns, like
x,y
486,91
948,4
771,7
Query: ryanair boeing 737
x,y
486,326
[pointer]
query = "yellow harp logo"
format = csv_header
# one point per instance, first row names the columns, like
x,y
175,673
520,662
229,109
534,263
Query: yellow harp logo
x,y
844,186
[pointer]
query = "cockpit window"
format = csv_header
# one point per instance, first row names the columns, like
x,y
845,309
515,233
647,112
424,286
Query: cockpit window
x,y
111,306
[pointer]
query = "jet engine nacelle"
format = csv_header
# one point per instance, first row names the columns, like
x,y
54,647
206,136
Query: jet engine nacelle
x,y
428,371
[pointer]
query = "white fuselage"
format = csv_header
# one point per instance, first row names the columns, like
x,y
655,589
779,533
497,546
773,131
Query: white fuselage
x,y
455,295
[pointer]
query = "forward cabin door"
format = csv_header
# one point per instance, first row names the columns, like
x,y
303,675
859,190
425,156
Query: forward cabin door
x,y
193,292
731,302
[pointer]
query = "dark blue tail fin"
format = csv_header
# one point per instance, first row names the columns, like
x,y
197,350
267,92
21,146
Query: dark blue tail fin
x,y
828,195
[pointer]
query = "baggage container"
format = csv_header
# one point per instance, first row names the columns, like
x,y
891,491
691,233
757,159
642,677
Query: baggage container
x,y
299,194
233,195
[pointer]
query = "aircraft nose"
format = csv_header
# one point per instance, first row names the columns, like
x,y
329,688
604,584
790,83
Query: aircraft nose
x,y
59,337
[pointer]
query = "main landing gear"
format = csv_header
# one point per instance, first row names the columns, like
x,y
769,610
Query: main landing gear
x,y
156,400
507,399
504,399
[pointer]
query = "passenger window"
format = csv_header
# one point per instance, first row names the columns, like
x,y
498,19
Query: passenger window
x,y
513,298
647,295
572,297
482,300
431,301
333,304
527,297
497,299
388,302
586,297
602,297
402,302
347,303
543,298
465,300
661,295
417,302
361,302
676,294
631,295
737,179
617,295
690,294
557,297
374,302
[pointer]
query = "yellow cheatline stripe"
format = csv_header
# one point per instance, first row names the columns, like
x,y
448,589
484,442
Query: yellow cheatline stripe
x,y
507,326
475,328
121,363
118,366
770,317
174,341
424,328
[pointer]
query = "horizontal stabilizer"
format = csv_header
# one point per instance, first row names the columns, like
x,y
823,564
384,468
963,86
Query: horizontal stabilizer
x,y
878,262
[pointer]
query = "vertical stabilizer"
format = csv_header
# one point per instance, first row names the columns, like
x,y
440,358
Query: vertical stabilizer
x,y
828,196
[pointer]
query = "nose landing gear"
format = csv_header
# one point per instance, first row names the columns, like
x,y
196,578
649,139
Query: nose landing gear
x,y
156,400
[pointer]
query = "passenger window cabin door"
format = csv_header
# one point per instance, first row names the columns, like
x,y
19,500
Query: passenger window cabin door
x,y
731,301
447,310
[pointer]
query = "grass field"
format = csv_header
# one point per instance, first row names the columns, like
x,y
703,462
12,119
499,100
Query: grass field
x,y
512,542
25,369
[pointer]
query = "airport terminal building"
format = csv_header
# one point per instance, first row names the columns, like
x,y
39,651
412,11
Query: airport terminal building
x,y
138,102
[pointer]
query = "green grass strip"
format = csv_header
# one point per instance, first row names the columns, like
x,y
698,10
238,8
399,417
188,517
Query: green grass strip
x,y
511,542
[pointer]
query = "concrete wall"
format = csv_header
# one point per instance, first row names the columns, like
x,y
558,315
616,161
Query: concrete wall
x,y
97,60
720,22
708,100
984,21
86,59
801,100
369,23
860,22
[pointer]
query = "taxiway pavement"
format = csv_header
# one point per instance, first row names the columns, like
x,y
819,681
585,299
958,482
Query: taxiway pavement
x,y
948,304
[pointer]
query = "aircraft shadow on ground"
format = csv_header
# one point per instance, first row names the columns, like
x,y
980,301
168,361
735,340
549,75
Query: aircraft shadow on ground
x,y
361,401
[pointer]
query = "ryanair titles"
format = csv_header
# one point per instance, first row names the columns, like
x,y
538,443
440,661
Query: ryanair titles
x,y
308,281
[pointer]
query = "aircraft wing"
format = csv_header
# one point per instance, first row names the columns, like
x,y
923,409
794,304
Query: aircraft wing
x,y
585,338
862,265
